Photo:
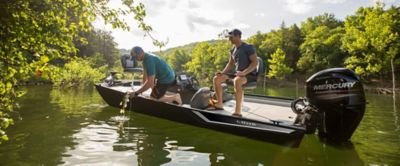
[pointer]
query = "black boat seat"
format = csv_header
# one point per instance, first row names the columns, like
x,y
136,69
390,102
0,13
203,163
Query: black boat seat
x,y
250,85
130,65
253,84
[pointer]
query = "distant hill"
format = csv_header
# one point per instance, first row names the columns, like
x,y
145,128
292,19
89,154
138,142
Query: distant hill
x,y
123,51
188,48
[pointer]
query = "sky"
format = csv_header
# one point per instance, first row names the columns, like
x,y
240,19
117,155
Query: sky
x,y
186,21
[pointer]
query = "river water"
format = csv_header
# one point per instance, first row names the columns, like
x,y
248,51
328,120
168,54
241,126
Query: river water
x,y
76,127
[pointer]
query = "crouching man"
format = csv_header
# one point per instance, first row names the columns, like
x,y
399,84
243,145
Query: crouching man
x,y
157,75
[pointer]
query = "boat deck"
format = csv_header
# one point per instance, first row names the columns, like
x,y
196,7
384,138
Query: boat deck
x,y
256,109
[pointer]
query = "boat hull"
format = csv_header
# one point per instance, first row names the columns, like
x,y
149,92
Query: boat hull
x,y
263,131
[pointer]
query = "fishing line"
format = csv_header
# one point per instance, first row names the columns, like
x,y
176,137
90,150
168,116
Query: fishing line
x,y
263,117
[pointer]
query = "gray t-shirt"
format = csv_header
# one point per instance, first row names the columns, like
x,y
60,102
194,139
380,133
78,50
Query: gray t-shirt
x,y
241,56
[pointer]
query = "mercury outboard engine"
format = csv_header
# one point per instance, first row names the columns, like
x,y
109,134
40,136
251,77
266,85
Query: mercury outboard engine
x,y
337,97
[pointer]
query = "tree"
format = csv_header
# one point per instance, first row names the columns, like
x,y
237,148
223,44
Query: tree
x,y
177,59
325,19
102,44
321,50
287,39
33,32
272,42
278,68
219,56
208,59
198,63
293,41
372,40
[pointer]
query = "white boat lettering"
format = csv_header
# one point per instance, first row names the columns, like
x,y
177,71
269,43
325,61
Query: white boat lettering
x,y
334,86
246,123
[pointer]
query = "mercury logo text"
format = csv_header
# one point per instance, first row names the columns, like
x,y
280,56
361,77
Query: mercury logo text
x,y
334,86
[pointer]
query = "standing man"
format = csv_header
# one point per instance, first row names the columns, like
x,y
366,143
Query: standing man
x,y
243,57
157,75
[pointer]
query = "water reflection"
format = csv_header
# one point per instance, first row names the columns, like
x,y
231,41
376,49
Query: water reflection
x,y
376,139
145,140
41,133
395,114
96,144
71,127
227,149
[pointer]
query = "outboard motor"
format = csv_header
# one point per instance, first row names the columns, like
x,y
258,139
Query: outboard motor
x,y
337,96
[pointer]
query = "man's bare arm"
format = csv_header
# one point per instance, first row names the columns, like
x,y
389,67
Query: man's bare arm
x,y
253,64
149,83
229,66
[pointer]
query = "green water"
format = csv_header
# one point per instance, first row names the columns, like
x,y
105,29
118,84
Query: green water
x,y
75,126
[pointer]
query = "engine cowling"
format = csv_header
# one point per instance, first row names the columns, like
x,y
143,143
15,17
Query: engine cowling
x,y
338,95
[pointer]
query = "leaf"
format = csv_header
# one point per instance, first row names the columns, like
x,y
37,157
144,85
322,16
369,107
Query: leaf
x,y
44,59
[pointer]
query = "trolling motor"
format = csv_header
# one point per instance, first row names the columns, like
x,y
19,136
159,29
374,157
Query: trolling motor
x,y
335,104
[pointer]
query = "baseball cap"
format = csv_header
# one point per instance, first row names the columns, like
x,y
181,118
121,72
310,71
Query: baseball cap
x,y
136,50
234,32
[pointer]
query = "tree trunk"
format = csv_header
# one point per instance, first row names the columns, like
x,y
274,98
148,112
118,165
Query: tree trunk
x,y
394,82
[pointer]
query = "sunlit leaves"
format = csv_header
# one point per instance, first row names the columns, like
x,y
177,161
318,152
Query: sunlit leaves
x,y
277,67
371,39
321,50
77,72
208,58
49,29
177,59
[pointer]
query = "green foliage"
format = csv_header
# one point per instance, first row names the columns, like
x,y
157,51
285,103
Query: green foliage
x,y
33,32
208,59
197,65
273,41
293,40
325,19
278,68
78,72
321,50
372,39
287,39
177,59
100,44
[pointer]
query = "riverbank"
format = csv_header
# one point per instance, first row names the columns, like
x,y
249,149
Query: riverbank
x,y
371,86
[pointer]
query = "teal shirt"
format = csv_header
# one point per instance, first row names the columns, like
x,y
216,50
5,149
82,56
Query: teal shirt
x,y
154,65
